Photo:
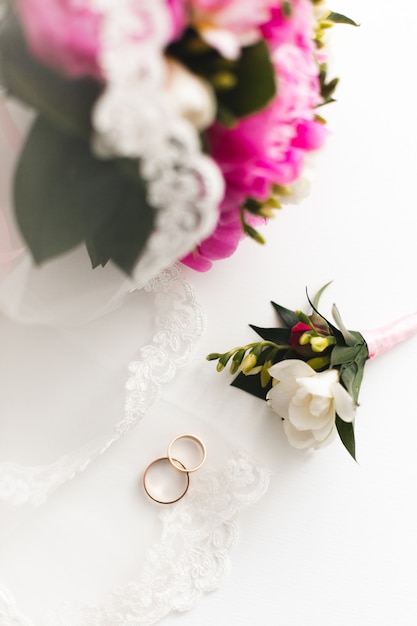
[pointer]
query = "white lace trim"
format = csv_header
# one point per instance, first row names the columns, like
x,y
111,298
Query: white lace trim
x,y
191,558
179,323
9,613
135,117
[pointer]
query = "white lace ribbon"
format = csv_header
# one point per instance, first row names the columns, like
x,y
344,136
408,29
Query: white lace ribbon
x,y
179,321
9,613
136,118
190,559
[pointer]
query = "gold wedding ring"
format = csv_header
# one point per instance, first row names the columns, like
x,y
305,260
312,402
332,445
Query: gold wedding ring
x,y
169,461
177,464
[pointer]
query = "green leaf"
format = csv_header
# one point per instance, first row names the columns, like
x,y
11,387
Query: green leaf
x,y
243,86
253,233
334,330
66,103
327,90
338,18
359,340
226,117
277,335
351,377
343,354
348,376
351,362
347,435
69,196
42,195
351,338
252,205
318,295
287,8
255,86
252,385
288,317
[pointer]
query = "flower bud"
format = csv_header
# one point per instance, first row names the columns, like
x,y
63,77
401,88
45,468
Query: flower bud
x,y
236,361
265,375
266,211
254,370
305,338
253,233
248,362
223,80
319,362
320,344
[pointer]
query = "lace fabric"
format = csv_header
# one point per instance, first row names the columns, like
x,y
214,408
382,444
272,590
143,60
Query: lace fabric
x,y
136,118
9,613
179,322
190,559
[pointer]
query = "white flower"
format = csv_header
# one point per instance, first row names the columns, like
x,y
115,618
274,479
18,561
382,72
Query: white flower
x,y
192,97
308,402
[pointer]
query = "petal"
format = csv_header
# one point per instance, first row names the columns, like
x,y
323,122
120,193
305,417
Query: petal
x,y
196,262
222,40
299,438
343,403
300,415
321,443
320,384
280,395
299,411
288,368
191,95
319,405
322,433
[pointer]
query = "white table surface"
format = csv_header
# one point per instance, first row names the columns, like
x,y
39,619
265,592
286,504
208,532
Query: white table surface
x,y
332,541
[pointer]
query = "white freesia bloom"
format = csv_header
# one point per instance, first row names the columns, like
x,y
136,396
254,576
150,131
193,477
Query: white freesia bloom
x,y
308,402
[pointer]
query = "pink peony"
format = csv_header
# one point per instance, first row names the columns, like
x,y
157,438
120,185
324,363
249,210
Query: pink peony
x,y
268,147
177,10
62,34
66,35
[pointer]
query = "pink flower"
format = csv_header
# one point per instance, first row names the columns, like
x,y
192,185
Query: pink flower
x,y
178,13
268,147
221,244
66,35
62,34
228,24
296,331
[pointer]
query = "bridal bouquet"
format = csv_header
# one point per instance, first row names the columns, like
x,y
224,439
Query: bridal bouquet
x,y
310,371
164,129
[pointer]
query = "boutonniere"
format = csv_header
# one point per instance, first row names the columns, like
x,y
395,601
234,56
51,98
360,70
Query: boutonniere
x,y
310,371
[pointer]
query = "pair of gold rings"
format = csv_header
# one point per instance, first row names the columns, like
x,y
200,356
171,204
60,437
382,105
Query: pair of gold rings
x,y
154,480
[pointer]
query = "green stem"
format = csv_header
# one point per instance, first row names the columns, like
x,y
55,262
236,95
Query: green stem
x,y
264,344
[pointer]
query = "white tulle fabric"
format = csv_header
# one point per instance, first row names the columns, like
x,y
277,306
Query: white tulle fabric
x,y
179,322
190,559
136,118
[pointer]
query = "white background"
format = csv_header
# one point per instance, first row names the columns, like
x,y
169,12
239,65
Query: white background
x,y
332,541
